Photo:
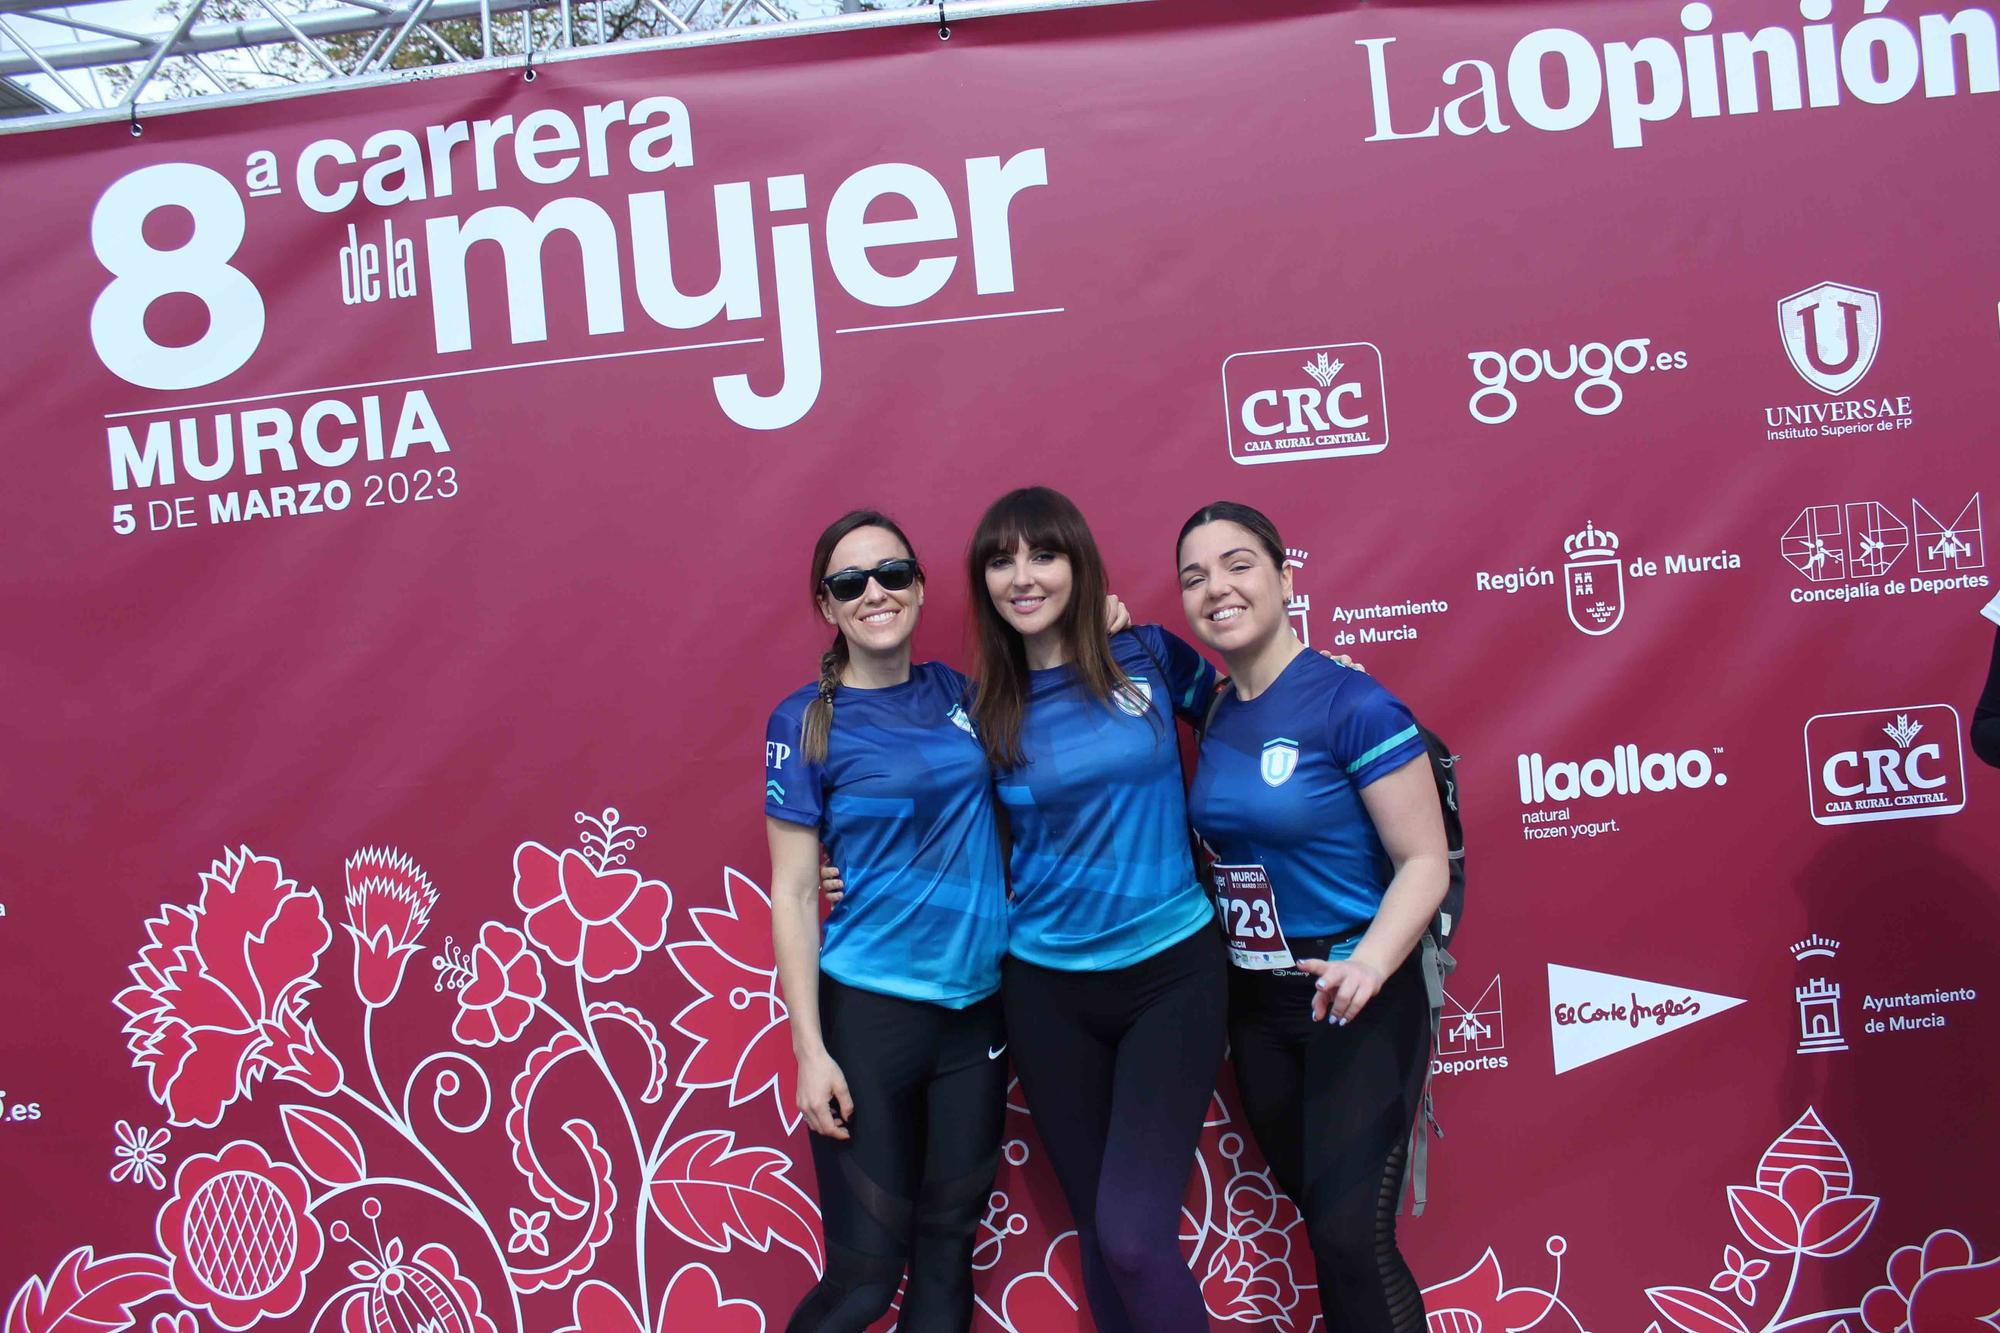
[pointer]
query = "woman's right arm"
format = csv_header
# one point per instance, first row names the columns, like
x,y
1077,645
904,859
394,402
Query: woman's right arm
x,y
795,939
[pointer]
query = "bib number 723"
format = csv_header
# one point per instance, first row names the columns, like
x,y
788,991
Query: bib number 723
x,y
1250,918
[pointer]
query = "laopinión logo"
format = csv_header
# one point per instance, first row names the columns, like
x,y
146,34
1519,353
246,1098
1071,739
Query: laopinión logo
x,y
1832,333
1557,80
1848,552
1594,573
1472,1037
1884,763
1305,402
1598,392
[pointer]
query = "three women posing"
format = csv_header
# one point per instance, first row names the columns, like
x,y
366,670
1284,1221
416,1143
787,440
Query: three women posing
x,y
1114,974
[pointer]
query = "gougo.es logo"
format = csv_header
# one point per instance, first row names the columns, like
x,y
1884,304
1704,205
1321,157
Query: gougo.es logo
x,y
1595,366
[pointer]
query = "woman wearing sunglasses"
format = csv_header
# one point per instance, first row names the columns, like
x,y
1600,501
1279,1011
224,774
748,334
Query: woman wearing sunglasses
x,y
895,1018
1114,975
1315,795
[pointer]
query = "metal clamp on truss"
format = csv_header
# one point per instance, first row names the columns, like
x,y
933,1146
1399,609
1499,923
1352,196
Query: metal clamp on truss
x,y
944,29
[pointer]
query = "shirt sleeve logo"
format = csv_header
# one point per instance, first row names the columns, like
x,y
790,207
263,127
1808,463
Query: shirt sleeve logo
x,y
960,720
1137,701
1281,758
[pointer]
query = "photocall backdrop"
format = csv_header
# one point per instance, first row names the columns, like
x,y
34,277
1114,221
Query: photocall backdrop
x,y
407,509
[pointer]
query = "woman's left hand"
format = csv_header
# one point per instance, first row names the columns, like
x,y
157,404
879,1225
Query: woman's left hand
x,y
1116,617
1343,989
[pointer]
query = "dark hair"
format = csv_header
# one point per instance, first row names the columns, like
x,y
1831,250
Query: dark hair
x,y
1046,520
1243,516
818,721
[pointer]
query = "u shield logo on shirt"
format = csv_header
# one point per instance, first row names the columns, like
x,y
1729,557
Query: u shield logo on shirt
x,y
1138,700
960,720
1281,757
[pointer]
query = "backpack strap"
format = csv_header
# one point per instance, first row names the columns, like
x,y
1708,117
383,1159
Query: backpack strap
x,y
1437,964
1224,687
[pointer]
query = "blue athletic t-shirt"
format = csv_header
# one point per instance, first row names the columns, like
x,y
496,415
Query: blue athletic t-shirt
x,y
1279,785
1101,872
904,804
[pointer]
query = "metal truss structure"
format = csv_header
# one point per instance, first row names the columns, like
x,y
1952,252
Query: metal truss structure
x,y
89,61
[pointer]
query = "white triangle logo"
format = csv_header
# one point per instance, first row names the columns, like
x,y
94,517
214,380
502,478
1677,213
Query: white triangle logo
x,y
1595,1014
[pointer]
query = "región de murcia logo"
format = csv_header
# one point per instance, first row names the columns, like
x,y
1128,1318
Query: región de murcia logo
x,y
1594,574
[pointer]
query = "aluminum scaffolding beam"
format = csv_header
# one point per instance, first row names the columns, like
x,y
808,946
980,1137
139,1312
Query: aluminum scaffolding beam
x,y
59,67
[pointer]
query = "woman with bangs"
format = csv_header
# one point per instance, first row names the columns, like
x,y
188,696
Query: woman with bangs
x,y
1114,987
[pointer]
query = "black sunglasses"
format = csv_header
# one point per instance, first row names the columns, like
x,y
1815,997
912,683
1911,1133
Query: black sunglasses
x,y
894,576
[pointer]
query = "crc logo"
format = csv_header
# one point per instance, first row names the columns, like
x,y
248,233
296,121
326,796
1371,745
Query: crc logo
x,y
1831,332
1886,763
1305,402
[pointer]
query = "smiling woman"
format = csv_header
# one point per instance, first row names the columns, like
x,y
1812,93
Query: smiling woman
x,y
1312,780
894,1016
1114,974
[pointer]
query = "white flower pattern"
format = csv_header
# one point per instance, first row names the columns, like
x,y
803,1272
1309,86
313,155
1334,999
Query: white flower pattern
x,y
141,1153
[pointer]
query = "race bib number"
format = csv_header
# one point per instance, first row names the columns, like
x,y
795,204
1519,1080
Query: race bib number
x,y
1250,918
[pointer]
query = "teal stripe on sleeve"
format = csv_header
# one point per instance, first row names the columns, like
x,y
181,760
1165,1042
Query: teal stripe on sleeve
x,y
1399,738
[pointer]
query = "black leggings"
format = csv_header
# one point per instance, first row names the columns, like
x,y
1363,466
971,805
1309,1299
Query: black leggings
x,y
1332,1108
1119,1067
929,1086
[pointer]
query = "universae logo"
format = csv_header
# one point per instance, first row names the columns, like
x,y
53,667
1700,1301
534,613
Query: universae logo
x,y
1885,763
1280,760
1832,333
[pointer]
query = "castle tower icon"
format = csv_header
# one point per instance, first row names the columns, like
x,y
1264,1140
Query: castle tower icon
x,y
1299,608
1819,1017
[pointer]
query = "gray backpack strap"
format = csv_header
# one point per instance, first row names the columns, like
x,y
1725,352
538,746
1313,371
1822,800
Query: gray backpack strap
x,y
1437,965
1223,689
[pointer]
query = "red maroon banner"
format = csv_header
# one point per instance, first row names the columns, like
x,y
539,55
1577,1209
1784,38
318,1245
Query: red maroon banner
x,y
410,495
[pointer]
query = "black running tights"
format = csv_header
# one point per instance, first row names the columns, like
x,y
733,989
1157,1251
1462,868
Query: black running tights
x,y
1332,1108
1119,1067
909,1187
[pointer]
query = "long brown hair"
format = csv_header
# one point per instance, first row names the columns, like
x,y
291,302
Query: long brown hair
x,y
1046,520
818,721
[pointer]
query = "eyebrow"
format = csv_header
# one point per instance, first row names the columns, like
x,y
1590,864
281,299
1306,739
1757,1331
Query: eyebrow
x,y
1234,550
